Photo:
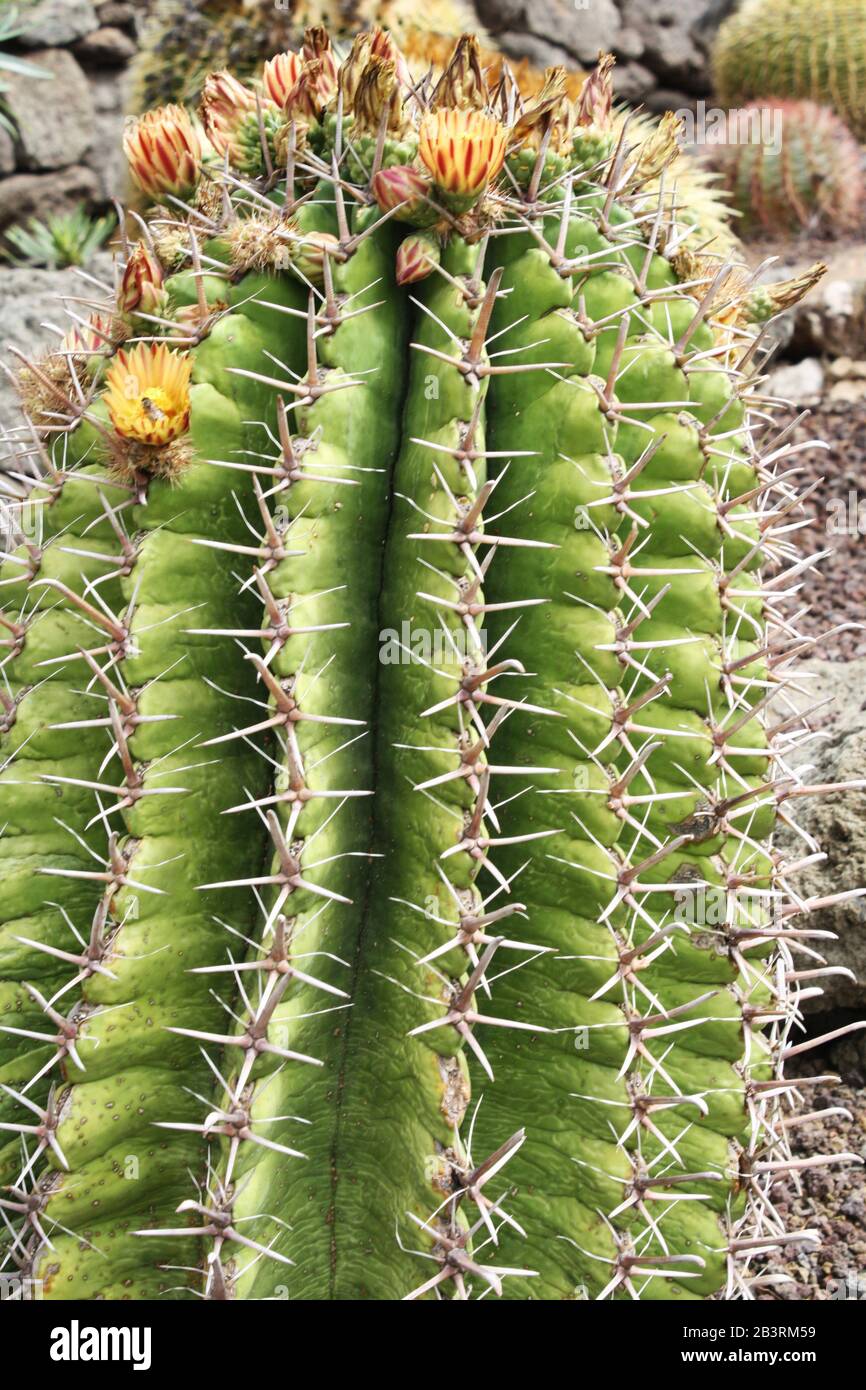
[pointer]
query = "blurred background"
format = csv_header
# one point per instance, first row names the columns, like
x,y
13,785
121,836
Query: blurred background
x,y
772,98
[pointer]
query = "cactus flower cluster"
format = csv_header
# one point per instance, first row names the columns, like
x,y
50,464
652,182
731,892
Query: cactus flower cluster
x,y
393,719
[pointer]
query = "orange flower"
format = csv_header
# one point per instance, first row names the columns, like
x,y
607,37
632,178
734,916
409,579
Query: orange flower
x,y
164,152
463,150
147,393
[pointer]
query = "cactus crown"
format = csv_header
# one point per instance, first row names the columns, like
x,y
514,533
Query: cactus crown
x,y
389,901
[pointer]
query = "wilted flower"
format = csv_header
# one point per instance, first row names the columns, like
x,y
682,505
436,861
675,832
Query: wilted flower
x,y
595,103
382,45
352,67
164,152
463,150
317,48
147,393
141,287
404,188
309,96
378,91
660,148
549,111
417,257
462,83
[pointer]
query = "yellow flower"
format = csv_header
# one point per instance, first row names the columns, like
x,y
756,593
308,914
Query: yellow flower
x,y
147,393
164,152
463,150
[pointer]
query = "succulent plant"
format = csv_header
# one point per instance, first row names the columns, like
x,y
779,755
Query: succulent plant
x,y
10,30
811,177
796,48
64,239
389,903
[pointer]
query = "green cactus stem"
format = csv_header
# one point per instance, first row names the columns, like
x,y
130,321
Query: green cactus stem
x,y
390,903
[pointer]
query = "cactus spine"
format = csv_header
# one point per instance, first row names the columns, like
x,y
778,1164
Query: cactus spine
x,y
424,818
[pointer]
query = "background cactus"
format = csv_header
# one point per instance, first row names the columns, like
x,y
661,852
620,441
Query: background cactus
x,y
796,48
813,177
399,663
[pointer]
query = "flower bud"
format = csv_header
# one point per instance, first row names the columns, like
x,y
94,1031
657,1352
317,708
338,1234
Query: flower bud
x,y
141,287
404,188
417,257
307,255
279,76
226,106
164,152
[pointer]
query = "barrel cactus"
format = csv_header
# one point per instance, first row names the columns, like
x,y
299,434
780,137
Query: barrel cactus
x,y
811,176
796,48
389,902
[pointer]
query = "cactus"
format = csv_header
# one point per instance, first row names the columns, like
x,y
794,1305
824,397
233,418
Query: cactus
x,y
182,43
812,178
389,905
796,48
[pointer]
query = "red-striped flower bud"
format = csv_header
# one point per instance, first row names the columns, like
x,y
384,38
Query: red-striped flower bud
x,y
164,152
403,188
417,257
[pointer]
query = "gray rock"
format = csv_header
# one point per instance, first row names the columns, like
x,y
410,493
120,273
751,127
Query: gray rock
x,y
53,23
108,47
110,93
41,195
105,155
633,81
28,298
838,822
117,13
662,99
832,319
669,38
802,383
539,51
7,152
580,27
53,119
